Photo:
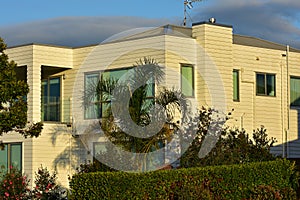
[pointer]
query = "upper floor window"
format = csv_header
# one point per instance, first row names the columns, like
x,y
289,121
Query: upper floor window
x,y
51,99
11,155
187,80
98,105
236,89
265,84
295,91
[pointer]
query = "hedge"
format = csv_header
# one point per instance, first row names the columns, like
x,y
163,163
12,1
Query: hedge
x,y
274,179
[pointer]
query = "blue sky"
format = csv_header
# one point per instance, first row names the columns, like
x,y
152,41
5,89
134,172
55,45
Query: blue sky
x,y
29,10
79,22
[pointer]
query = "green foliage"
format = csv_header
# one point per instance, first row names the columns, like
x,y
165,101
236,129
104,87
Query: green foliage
x,y
234,146
13,106
139,108
13,185
214,182
46,187
266,192
95,166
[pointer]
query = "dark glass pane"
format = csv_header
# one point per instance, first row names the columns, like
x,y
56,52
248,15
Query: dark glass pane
x,y
54,92
270,85
51,99
260,84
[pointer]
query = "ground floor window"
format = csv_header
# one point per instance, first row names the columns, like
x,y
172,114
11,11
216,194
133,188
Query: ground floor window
x,y
11,155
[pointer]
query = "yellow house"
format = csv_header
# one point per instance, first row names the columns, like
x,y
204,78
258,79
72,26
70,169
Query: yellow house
x,y
259,79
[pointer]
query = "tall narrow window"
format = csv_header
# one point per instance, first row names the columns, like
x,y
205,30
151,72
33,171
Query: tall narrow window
x,y
51,99
295,91
91,104
265,84
11,155
187,80
235,79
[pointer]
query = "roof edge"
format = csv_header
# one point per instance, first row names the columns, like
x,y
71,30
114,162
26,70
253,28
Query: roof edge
x,y
215,24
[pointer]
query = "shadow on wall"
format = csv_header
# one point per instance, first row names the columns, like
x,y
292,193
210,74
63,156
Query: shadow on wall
x,y
291,147
73,153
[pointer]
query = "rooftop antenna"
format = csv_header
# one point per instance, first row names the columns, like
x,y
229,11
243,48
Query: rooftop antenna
x,y
189,4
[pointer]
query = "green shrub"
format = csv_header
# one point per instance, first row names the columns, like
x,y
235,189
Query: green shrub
x,y
13,185
214,182
46,186
266,192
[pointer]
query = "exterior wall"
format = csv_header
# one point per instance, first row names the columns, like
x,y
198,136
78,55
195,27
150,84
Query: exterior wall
x,y
212,53
253,111
103,57
50,148
215,56
292,61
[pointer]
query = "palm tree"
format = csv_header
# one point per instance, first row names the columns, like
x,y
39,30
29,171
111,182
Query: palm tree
x,y
143,103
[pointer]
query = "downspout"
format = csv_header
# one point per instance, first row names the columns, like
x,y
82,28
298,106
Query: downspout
x,y
288,99
282,110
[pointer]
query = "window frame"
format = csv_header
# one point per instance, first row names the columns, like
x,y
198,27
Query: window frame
x,y
265,84
95,102
238,85
100,76
9,155
182,65
48,92
290,102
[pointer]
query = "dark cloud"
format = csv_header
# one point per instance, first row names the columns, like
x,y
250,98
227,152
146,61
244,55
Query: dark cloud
x,y
73,31
274,20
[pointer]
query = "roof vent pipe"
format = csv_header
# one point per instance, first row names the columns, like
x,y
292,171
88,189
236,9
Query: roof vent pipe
x,y
212,20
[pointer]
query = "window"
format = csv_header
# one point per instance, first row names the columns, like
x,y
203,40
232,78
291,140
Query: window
x,y
187,80
98,105
51,99
295,91
11,155
236,89
265,84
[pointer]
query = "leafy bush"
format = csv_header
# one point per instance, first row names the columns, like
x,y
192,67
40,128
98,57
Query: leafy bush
x,y
214,182
233,146
266,192
46,186
95,166
13,185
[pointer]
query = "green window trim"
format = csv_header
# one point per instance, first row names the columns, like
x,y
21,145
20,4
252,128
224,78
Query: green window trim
x,y
294,91
236,85
187,80
265,84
